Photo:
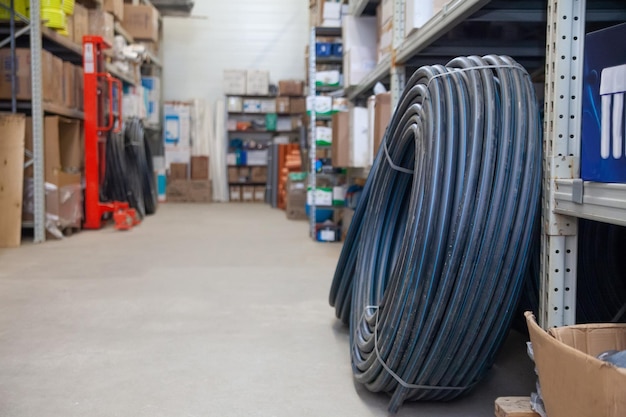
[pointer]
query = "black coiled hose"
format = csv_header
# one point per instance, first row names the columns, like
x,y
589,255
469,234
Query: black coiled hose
x,y
430,274
129,175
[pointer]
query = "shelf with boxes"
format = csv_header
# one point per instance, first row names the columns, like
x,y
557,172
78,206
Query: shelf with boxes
x,y
259,118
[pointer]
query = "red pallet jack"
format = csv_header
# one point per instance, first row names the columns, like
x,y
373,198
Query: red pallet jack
x,y
97,80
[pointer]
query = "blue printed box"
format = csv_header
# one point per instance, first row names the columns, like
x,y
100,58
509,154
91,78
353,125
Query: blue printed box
x,y
603,154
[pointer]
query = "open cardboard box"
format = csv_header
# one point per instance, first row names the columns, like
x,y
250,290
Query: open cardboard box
x,y
574,383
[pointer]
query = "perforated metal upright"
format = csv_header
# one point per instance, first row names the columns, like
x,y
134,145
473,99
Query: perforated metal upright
x,y
39,195
312,144
562,127
397,71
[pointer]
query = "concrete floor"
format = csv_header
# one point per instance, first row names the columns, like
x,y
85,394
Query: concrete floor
x,y
203,310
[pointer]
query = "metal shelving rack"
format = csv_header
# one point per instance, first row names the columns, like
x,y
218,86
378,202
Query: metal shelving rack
x,y
313,117
565,197
62,46
36,107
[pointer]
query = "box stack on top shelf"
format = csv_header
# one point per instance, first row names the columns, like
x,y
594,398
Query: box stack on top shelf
x,y
50,88
257,119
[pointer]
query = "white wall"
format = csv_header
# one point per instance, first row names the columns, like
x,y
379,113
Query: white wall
x,y
236,34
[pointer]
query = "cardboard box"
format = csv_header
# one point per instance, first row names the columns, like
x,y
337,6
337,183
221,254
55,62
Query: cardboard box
x,y
234,82
341,139
102,23
178,171
251,105
323,136
604,81
268,105
81,23
382,117
330,10
259,193
233,174
258,174
69,86
141,22
282,105
358,63
418,12
247,193
24,92
257,83
116,8
69,26
359,32
297,105
323,105
63,150
573,382
235,193
13,128
56,80
79,82
294,88
234,104
199,167
189,191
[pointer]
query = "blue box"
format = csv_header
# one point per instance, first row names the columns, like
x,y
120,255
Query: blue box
x,y
337,49
323,48
603,153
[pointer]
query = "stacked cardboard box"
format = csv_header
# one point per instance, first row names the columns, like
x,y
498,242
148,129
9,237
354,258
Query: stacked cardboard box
x,y
296,196
327,13
63,161
290,99
58,81
141,22
189,183
360,53
418,12
116,8
102,24
80,22
246,82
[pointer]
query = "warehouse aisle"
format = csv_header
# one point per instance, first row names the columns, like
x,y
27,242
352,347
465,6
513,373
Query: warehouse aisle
x,y
203,310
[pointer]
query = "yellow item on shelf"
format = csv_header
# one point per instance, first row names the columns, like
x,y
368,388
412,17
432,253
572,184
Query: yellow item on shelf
x,y
63,31
21,6
54,19
51,4
68,6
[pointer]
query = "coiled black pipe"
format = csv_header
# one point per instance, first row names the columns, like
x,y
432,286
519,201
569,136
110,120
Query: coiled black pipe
x,y
129,175
601,275
431,270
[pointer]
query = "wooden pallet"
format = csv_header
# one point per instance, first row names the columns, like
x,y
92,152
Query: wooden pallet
x,y
514,407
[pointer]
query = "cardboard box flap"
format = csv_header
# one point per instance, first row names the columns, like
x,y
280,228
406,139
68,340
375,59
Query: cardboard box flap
x,y
592,338
574,383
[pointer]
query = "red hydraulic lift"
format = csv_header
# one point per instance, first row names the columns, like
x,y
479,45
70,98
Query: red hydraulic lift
x,y
99,107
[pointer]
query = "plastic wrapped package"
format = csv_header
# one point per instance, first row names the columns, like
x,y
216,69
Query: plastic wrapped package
x,y
64,206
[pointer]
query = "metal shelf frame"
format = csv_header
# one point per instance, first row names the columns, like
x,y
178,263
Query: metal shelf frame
x,y
34,159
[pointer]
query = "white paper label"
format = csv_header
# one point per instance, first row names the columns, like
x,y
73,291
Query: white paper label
x,y
327,235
